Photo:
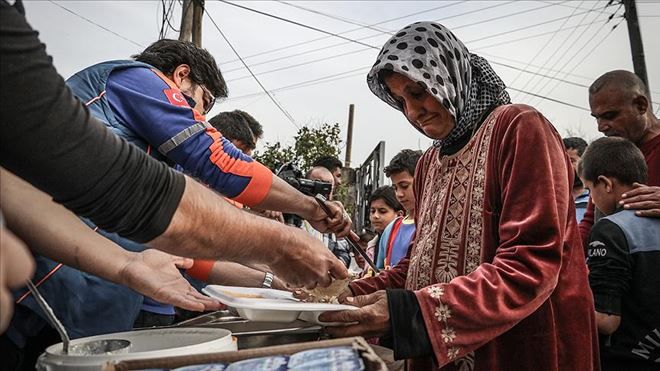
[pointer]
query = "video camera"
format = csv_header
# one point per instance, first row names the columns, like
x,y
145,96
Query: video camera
x,y
291,174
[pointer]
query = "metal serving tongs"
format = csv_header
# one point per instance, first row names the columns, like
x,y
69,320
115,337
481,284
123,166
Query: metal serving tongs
x,y
321,201
51,316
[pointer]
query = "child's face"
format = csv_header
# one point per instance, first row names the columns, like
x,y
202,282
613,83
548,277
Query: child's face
x,y
403,186
602,194
380,215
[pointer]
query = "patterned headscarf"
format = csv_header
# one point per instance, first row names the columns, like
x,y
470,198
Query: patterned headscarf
x,y
429,54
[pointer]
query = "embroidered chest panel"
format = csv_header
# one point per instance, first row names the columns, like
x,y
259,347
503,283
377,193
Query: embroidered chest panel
x,y
450,225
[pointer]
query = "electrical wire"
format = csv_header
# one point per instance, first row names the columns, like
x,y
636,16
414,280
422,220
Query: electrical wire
x,y
324,48
530,36
527,27
337,18
352,52
542,48
563,43
311,82
538,74
323,59
344,32
585,45
96,24
549,99
363,70
589,53
272,98
568,49
298,24
362,38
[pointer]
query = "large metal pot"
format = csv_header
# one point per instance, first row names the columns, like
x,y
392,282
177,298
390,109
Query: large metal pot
x,y
144,344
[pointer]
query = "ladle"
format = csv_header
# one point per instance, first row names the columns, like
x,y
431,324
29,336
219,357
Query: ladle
x,y
89,348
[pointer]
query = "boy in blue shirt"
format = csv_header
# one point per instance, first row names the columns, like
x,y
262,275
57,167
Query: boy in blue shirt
x,y
398,235
623,258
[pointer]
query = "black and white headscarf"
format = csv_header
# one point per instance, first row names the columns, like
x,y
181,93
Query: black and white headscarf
x,y
429,54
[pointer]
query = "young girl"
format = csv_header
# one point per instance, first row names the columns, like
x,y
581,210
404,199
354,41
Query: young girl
x,y
383,209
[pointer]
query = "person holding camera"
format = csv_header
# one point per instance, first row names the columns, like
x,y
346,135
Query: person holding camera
x,y
339,247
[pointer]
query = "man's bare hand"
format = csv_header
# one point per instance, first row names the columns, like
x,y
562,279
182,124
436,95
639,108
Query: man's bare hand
x,y
373,317
644,199
305,261
338,222
155,274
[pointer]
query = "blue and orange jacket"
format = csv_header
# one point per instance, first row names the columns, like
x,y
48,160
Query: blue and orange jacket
x,y
139,103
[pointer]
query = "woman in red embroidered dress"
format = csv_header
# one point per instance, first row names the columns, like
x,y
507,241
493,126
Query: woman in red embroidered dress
x,y
496,278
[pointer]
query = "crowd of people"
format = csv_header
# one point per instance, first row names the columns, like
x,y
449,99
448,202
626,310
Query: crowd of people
x,y
501,247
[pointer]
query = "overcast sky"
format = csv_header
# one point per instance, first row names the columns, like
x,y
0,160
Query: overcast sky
x,y
567,40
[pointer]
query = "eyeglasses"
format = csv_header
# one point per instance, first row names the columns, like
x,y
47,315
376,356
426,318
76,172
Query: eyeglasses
x,y
209,99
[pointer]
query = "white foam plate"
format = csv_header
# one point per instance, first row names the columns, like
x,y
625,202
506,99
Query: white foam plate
x,y
270,305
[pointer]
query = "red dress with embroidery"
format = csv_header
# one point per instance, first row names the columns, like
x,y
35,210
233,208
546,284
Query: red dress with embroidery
x,y
497,265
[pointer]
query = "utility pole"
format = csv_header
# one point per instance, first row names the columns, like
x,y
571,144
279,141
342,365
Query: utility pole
x,y
191,21
349,136
198,13
635,36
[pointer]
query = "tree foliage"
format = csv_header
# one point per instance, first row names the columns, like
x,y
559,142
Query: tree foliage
x,y
309,144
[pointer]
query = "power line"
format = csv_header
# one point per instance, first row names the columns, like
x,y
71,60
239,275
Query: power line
x,y
501,17
588,78
538,74
582,48
490,56
96,24
358,40
315,81
298,24
568,49
286,114
167,13
568,37
574,7
526,27
372,36
338,18
541,49
361,70
530,37
549,99
588,54
323,59
344,32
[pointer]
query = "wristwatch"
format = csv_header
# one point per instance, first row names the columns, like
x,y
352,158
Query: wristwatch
x,y
268,280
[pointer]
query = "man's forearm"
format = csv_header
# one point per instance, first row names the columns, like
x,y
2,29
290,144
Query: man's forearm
x,y
283,197
206,226
51,230
234,274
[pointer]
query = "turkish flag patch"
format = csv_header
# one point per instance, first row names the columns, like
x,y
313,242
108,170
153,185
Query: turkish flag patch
x,y
175,96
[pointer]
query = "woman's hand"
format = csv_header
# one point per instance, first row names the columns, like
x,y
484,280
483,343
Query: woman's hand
x,y
373,317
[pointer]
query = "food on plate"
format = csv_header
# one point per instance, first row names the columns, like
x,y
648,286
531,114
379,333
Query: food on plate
x,y
328,294
242,294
